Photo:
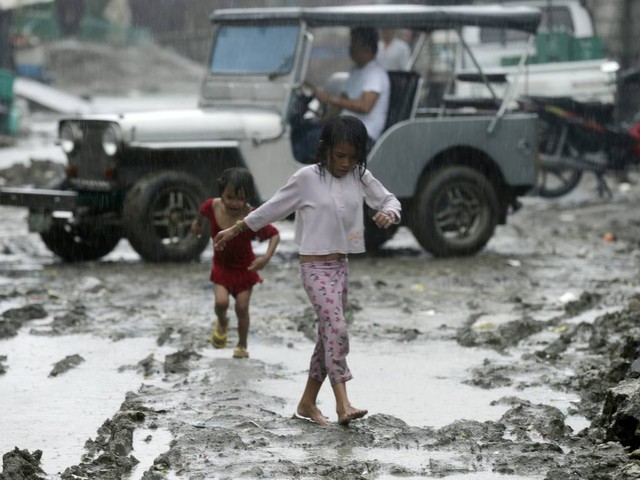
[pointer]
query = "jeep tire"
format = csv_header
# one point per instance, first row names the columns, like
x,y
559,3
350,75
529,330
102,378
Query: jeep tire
x,y
80,243
455,212
157,217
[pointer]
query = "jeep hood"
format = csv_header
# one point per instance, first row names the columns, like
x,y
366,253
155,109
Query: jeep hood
x,y
192,128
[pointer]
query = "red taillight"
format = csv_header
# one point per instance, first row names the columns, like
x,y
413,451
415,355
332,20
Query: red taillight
x,y
71,171
109,172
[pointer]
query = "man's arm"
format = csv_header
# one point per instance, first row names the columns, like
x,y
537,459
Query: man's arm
x,y
364,104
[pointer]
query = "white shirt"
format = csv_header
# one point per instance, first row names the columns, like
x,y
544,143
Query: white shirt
x,y
329,210
394,56
370,78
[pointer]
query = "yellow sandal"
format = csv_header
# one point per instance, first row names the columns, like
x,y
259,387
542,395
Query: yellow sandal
x,y
219,340
240,352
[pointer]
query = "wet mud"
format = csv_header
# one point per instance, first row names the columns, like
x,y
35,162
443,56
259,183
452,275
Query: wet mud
x,y
549,305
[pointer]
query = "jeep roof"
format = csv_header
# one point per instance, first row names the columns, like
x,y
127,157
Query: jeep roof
x,y
418,17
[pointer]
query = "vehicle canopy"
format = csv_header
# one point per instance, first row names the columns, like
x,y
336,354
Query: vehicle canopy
x,y
416,17
278,67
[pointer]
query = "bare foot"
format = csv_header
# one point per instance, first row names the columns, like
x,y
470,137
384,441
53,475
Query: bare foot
x,y
313,414
350,414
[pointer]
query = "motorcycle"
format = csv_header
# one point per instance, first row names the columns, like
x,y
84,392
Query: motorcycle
x,y
576,137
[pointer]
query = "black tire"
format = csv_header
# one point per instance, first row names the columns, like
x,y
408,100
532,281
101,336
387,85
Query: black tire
x,y
374,236
554,182
157,217
87,241
80,243
455,212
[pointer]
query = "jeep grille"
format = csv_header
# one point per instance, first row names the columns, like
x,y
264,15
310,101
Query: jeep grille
x,y
88,160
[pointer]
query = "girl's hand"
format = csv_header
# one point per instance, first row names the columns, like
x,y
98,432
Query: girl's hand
x,y
223,236
383,220
258,264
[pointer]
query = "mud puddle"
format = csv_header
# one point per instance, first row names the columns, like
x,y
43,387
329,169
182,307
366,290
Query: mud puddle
x,y
431,393
57,414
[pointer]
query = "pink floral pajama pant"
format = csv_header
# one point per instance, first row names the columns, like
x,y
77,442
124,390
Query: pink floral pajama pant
x,y
326,284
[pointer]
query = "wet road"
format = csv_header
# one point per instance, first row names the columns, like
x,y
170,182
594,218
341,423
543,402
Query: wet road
x,y
410,362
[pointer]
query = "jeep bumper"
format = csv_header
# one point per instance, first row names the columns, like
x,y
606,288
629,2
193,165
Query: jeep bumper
x,y
39,199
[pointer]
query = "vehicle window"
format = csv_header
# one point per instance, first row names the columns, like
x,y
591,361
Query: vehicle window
x,y
554,19
330,53
254,49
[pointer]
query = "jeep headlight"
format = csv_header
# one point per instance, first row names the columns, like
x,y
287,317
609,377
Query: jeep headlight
x,y
110,140
70,137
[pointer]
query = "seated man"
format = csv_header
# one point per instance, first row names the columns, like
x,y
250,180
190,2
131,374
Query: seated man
x,y
366,97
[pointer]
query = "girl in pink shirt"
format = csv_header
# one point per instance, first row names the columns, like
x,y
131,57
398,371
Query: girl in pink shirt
x,y
327,199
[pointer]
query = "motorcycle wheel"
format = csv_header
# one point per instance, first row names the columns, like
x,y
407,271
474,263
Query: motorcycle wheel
x,y
556,182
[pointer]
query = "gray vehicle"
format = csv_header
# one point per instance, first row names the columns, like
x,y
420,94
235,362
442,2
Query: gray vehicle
x,y
458,169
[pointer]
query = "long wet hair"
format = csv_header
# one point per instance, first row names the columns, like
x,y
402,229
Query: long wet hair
x,y
241,180
343,129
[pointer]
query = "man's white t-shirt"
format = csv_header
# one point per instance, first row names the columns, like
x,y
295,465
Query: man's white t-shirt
x,y
394,56
370,78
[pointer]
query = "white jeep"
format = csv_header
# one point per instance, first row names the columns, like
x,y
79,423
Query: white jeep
x,y
457,169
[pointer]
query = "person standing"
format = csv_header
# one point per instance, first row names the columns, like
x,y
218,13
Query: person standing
x,y
327,198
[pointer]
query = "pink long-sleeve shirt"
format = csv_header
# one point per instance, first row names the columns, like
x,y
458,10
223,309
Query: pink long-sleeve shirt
x,y
329,210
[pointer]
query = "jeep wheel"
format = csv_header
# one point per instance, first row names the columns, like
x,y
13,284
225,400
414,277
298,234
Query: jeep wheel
x,y
76,244
157,217
374,236
455,213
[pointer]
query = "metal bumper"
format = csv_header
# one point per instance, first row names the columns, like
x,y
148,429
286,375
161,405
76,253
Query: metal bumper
x,y
39,199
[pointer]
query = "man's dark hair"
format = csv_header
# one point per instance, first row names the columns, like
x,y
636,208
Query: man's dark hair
x,y
367,36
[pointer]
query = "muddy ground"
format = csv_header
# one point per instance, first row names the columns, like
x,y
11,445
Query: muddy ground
x,y
517,363
549,303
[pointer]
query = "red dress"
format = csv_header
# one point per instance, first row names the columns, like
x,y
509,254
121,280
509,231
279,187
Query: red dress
x,y
230,265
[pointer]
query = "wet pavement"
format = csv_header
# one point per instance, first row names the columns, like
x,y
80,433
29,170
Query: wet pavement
x,y
471,368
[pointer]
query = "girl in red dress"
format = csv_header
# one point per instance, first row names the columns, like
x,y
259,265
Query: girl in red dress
x,y
235,269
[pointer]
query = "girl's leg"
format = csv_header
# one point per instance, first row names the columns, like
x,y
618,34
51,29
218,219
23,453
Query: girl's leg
x,y
307,407
242,311
221,306
346,412
327,288
329,297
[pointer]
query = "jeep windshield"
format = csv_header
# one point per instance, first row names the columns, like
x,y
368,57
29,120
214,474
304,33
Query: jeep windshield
x,y
252,49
